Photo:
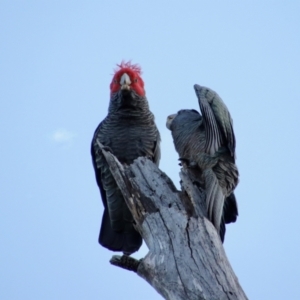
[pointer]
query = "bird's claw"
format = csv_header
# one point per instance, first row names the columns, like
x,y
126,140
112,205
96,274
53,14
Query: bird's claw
x,y
187,162
182,159
125,262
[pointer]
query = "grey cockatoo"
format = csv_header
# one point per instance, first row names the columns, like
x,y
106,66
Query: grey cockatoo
x,y
208,143
128,131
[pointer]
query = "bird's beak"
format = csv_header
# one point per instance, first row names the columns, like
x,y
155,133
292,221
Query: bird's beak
x,y
170,119
125,82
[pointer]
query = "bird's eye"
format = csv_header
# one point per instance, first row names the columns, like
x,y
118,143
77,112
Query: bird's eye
x,y
135,80
115,80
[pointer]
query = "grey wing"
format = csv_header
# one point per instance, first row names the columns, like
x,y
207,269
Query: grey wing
x,y
214,137
117,232
98,164
222,116
224,120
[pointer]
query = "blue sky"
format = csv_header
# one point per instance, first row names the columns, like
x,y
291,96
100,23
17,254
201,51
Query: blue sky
x,y
56,63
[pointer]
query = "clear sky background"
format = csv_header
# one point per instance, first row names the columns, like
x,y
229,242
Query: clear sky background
x,y
56,64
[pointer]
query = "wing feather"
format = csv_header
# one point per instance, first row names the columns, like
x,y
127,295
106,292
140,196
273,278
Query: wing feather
x,y
213,134
218,120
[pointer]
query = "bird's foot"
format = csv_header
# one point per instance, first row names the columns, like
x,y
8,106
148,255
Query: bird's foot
x,y
125,262
186,162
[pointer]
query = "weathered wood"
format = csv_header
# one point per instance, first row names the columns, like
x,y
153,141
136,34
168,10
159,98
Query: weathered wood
x,y
186,259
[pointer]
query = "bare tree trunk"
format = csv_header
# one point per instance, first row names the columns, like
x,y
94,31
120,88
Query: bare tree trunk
x,y
186,259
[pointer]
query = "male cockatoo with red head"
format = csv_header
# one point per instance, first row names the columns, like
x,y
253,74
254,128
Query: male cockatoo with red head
x,y
128,131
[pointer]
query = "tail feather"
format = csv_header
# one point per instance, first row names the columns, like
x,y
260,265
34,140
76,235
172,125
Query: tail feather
x,y
214,199
230,213
230,210
127,241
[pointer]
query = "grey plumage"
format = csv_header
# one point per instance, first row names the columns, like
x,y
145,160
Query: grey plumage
x,y
208,143
128,131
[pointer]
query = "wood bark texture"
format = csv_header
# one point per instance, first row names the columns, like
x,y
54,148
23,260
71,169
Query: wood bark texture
x,y
186,259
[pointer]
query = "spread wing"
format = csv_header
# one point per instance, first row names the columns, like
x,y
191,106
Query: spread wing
x,y
219,136
217,119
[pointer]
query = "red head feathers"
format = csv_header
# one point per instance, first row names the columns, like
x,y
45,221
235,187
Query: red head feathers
x,y
128,65
134,72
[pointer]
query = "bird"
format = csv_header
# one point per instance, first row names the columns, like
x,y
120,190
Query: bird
x,y
128,132
207,141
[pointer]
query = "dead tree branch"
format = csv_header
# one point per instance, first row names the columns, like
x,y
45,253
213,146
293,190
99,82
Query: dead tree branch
x,y
186,259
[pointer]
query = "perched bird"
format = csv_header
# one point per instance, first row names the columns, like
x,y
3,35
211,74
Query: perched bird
x,y
128,131
207,142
